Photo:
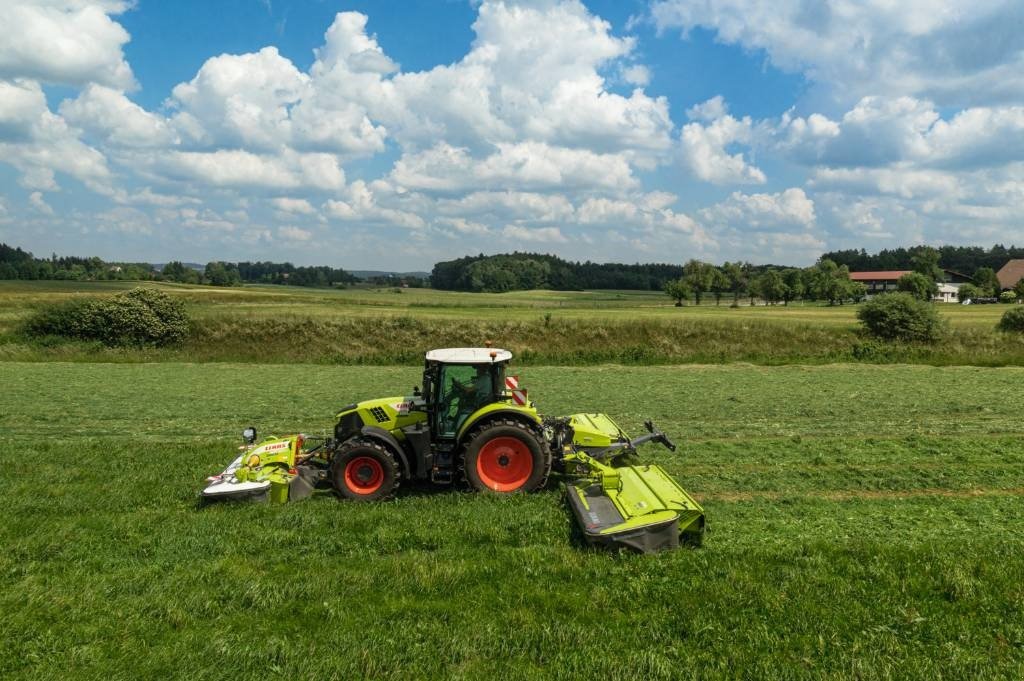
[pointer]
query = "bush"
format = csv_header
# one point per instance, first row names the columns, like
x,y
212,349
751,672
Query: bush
x,y
1007,297
137,317
1013,320
900,316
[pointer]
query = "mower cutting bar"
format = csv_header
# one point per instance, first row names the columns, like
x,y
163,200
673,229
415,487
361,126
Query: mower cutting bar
x,y
639,507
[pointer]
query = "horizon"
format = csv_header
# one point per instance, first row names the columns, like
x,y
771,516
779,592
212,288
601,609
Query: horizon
x,y
367,136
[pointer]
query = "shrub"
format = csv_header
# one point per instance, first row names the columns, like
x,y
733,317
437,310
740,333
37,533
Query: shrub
x,y
900,316
1007,297
137,317
1013,320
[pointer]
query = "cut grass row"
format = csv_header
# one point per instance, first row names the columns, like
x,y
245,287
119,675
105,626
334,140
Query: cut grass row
x,y
864,523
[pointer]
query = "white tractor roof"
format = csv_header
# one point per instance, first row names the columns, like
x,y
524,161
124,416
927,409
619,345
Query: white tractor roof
x,y
468,355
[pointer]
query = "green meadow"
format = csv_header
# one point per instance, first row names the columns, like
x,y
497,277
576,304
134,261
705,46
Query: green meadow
x,y
864,522
863,499
274,324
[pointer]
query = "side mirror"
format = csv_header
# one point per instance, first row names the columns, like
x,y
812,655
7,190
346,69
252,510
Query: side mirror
x,y
249,435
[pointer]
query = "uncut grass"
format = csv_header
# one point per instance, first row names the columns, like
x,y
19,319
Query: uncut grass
x,y
402,339
915,572
393,326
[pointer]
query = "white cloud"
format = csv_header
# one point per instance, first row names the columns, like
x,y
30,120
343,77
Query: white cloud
x,y
111,115
298,206
39,203
790,208
39,143
526,166
295,234
509,206
942,49
537,234
704,147
236,168
71,42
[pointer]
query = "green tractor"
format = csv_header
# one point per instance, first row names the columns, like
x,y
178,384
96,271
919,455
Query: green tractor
x,y
473,423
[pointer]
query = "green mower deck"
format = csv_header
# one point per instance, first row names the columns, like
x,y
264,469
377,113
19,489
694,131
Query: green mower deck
x,y
636,507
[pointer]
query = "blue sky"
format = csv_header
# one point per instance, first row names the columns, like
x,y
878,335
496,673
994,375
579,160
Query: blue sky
x,y
391,135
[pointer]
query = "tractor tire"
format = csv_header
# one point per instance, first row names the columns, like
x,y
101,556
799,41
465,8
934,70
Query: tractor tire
x,y
506,456
364,470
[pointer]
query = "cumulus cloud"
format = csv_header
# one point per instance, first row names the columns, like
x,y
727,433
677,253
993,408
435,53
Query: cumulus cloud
x,y
67,42
110,115
40,143
940,49
529,165
297,206
786,209
537,234
705,141
291,233
238,168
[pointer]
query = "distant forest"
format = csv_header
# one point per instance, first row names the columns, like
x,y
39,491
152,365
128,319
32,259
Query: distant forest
x,y
518,271
491,273
964,259
16,263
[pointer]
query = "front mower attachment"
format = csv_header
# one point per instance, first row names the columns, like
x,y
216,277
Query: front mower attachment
x,y
268,471
637,507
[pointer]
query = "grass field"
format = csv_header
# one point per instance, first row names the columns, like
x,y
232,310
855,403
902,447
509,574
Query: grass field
x,y
864,523
265,324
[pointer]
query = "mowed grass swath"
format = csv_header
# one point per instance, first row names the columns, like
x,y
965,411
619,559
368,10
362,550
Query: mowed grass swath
x,y
393,326
864,522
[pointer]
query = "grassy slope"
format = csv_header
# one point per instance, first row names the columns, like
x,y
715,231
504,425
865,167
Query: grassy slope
x,y
381,326
864,522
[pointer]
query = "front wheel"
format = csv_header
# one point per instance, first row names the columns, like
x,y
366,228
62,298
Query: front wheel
x,y
506,456
364,470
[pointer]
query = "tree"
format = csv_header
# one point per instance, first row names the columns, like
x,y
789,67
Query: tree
x,y
925,260
719,284
830,282
968,292
918,285
679,290
737,276
985,278
222,274
1018,288
699,276
771,287
795,286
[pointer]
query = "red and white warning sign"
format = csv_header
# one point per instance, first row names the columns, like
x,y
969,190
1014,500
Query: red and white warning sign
x,y
519,396
511,382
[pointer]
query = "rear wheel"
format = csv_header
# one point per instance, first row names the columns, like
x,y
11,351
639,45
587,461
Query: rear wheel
x,y
364,470
506,456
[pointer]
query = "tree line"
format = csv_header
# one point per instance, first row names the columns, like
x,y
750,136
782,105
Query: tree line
x,y
523,271
16,263
825,281
963,259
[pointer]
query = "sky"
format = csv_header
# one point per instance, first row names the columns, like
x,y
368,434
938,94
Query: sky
x,y
392,135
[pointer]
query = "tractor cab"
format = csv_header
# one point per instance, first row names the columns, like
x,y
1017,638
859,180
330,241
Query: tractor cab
x,y
457,382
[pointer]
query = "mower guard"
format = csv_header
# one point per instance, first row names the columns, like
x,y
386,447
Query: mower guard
x,y
636,507
265,471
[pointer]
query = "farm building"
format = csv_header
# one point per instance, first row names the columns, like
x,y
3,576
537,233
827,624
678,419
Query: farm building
x,y
887,281
879,282
1010,274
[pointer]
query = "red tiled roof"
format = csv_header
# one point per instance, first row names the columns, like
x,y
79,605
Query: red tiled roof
x,y
891,275
1011,273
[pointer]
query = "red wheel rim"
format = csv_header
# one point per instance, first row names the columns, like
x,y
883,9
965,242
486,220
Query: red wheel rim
x,y
504,464
364,475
